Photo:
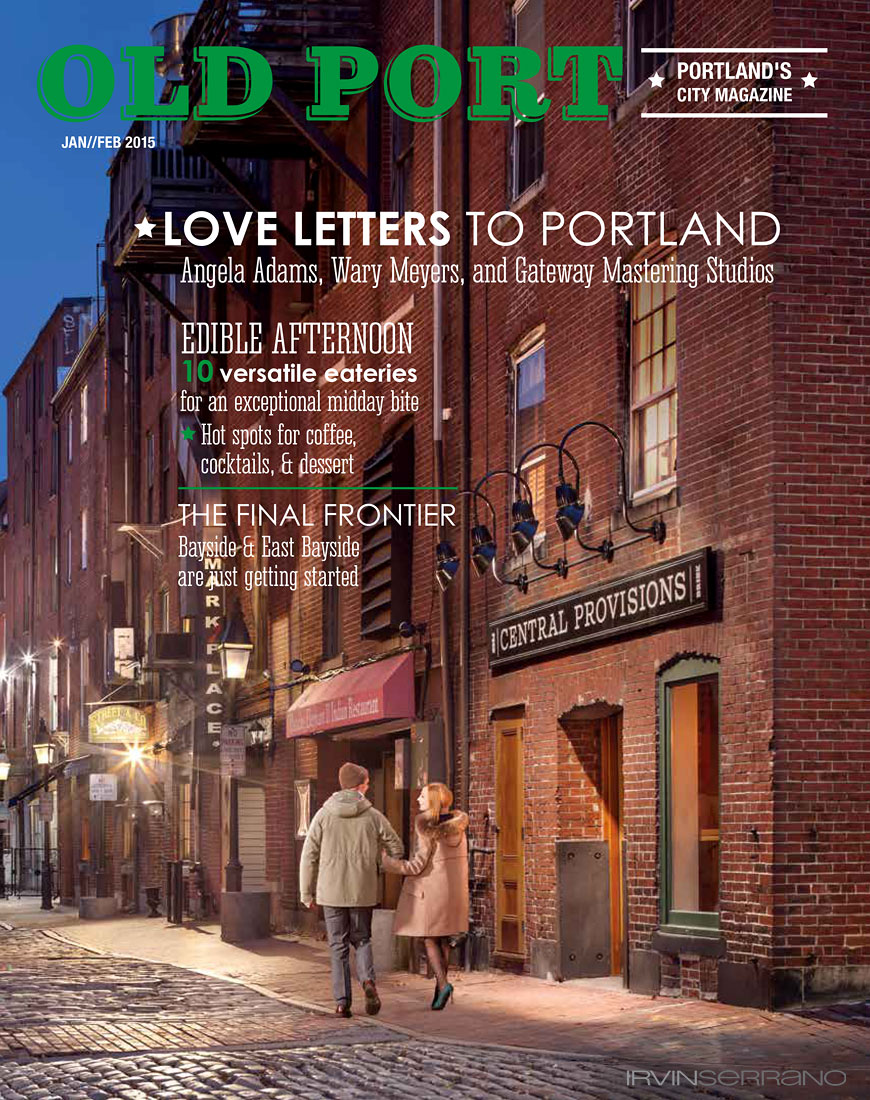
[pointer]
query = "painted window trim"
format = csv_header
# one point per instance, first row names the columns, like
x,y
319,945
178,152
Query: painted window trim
x,y
684,671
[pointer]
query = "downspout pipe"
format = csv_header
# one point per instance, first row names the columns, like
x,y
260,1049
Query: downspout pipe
x,y
438,422
465,444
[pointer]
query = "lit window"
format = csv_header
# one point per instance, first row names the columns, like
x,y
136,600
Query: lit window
x,y
690,794
527,145
530,391
654,381
649,25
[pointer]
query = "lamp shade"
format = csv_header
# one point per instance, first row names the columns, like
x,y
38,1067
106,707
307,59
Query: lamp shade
x,y
569,510
447,565
524,525
5,766
483,548
44,751
235,646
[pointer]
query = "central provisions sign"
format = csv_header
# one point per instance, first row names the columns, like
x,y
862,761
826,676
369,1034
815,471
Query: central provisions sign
x,y
657,595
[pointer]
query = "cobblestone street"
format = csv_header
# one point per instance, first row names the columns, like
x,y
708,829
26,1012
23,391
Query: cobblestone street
x,y
76,1025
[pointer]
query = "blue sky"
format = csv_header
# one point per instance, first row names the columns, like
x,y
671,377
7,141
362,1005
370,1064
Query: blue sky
x,y
55,201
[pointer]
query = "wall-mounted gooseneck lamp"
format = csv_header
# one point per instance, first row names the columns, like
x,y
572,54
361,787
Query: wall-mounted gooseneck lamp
x,y
484,548
570,511
657,529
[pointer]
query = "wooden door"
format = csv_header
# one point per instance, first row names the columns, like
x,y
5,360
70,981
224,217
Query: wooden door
x,y
509,802
611,797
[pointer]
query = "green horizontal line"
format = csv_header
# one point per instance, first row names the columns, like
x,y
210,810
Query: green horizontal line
x,y
309,488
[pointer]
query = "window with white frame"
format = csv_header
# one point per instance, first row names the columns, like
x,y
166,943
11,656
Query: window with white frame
x,y
527,140
83,418
149,474
69,552
530,389
84,538
654,380
84,679
164,610
649,27
401,163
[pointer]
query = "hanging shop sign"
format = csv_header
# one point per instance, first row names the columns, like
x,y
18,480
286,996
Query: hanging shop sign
x,y
233,752
672,590
117,725
103,787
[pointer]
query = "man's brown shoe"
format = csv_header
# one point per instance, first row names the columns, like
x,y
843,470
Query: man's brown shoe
x,y
373,1001
344,1011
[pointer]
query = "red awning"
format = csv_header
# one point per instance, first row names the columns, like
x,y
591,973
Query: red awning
x,y
382,691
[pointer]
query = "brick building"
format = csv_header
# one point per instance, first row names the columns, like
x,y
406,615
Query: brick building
x,y
684,774
653,741
32,657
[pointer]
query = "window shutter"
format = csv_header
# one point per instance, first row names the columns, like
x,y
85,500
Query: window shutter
x,y
386,549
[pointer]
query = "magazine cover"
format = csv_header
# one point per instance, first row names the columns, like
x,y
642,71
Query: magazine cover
x,y
434,542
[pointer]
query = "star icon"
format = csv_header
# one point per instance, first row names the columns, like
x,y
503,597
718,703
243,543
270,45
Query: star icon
x,y
809,80
145,227
657,79
188,433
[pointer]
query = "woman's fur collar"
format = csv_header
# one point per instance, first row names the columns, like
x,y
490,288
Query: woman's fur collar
x,y
456,824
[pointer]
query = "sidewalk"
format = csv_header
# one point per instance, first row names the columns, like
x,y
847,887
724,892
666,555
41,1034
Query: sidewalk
x,y
593,1017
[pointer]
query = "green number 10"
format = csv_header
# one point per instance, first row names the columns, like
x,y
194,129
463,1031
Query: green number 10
x,y
204,370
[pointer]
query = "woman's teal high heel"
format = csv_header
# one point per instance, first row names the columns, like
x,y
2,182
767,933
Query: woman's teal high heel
x,y
442,998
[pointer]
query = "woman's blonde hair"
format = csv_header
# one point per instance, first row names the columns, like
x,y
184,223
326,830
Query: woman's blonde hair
x,y
439,799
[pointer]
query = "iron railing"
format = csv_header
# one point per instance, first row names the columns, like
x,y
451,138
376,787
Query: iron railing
x,y
274,27
24,868
167,175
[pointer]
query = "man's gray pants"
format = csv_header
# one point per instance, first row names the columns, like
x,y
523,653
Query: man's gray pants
x,y
345,926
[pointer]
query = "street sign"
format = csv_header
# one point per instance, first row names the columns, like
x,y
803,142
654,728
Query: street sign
x,y
103,787
46,805
117,725
233,752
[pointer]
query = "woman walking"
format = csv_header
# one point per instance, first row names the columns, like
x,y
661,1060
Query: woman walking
x,y
433,903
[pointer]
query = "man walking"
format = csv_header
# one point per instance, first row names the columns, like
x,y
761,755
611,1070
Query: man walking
x,y
340,867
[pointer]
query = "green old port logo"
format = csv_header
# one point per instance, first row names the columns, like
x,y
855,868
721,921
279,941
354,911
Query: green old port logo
x,y
505,82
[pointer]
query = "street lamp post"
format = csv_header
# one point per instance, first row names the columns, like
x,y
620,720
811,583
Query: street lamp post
x,y
235,651
5,765
44,751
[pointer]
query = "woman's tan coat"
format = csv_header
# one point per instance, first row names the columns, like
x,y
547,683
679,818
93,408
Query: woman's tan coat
x,y
434,898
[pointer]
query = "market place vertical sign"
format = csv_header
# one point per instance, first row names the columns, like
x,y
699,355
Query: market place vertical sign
x,y
672,590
